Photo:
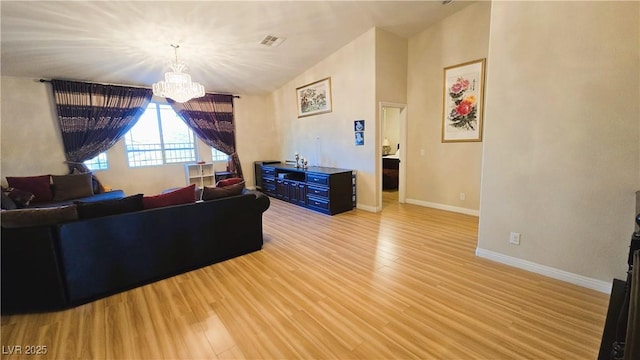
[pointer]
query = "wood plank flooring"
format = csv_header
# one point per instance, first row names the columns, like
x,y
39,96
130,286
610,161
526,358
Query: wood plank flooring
x,y
400,284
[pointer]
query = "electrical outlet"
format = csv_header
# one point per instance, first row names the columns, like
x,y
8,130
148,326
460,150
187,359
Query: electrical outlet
x,y
463,196
514,238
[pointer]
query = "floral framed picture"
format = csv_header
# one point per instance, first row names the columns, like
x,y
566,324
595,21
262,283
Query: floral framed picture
x,y
314,98
463,103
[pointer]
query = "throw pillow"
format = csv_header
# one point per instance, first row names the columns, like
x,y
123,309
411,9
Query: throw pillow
x,y
94,209
229,181
74,186
212,193
39,186
183,195
98,188
38,217
20,198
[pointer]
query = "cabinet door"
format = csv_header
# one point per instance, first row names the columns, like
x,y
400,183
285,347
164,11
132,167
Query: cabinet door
x,y
286,190
302,193
280,188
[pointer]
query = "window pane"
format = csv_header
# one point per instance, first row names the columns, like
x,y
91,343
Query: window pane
x,y
145,131
217,155
177,137
159,131
98,163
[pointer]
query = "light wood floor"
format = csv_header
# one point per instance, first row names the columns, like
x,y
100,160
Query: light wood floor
x,y
399,284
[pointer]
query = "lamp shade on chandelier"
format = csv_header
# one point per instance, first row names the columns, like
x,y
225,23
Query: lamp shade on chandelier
x,y
177,85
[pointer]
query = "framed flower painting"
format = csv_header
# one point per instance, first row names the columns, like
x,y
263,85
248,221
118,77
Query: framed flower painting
x,y
463,102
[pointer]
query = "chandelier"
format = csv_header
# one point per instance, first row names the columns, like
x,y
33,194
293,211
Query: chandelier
x,y
177,85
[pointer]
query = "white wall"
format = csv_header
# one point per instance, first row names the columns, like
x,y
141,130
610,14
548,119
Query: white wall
x,y
31,141
438,172
32,144
328,139
561,155
391,127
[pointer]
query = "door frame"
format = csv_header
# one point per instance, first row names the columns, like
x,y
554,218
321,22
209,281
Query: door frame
x,y
402,182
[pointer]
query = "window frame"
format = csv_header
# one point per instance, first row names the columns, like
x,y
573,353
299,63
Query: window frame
x,y
159,106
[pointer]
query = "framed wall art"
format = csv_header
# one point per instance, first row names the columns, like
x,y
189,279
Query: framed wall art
x,y
314,98
463,104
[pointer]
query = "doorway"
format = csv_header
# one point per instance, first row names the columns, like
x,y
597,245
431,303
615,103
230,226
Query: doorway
x,y
392,142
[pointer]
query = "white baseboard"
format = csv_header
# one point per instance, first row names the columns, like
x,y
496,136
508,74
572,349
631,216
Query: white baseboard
x,y
444,207
562,275
367,208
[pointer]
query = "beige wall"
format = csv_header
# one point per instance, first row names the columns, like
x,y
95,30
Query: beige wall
x,y
438,172
328,139
29,127
561,155
31,142
391,67
391,127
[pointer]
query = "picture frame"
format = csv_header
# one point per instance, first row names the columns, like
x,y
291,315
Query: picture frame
x,y
314,98
359,138
463,102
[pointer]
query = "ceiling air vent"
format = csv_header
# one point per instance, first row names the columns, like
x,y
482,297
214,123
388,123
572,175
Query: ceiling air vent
x,y
272,41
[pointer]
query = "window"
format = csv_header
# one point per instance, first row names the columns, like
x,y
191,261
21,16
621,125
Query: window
x,y
159,137
98,163
217,155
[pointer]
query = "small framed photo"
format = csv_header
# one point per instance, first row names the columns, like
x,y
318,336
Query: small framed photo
x,y
358,125
359,138
314,98
463,102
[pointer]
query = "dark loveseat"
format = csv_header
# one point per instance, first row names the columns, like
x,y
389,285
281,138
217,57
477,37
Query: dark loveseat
x,y
54,267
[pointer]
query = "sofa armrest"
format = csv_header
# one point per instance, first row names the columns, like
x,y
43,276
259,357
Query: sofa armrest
x,y
262,200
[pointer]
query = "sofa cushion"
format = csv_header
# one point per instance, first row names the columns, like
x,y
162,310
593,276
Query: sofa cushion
x,y
20,198
93,209
229,181
38,217
74,186
39,186
179,196
212,193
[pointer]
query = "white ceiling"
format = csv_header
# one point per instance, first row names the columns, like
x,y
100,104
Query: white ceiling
x,y
128,42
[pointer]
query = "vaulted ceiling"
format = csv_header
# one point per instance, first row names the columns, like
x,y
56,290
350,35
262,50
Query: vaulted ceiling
x,y
129,42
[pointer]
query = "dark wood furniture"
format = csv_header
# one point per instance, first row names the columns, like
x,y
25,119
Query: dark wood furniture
x,y
323,189
621,334
221,175
257,171
390,171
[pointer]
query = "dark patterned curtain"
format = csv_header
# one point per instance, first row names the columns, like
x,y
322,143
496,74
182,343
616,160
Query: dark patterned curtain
x,y
211,118
93,117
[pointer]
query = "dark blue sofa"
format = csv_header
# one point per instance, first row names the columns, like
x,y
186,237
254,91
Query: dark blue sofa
x,y
46,268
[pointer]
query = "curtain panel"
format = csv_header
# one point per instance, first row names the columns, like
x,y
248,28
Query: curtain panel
x,y
211,118
93,117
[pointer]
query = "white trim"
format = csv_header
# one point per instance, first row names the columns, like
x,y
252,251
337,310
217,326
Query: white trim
x,y
367,208
444,207
554,273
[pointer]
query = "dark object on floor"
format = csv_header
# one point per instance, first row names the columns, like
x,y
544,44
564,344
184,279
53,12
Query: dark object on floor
x,y
621,335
